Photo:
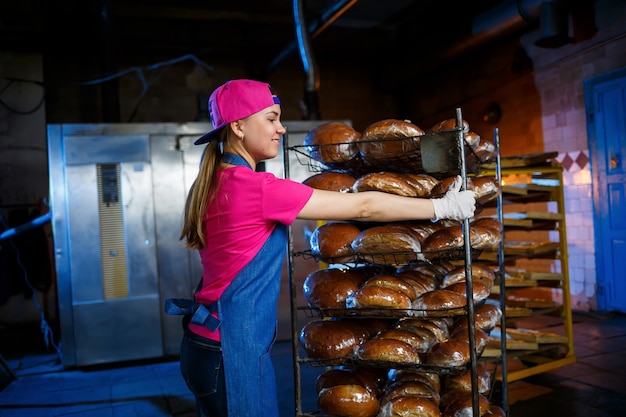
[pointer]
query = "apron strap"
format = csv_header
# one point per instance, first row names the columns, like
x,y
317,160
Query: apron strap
x,y
200,313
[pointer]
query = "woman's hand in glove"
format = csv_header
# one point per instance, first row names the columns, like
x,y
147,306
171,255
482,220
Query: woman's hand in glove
x,y
455,204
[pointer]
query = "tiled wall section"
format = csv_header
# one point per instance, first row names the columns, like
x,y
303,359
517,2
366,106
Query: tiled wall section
x,y
579,228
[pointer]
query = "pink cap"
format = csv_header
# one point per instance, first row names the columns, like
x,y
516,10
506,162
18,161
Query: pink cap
x,y
236,100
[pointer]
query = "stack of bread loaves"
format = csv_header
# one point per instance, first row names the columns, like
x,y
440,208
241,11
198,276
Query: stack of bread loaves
x,y
393,332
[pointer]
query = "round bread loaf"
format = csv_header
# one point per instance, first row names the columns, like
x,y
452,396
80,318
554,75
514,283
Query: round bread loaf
x,y
438,329
378,298
486,188
387,350
484,150
489,238
328,288
419,282
443,301
331,339
331,181
461,405
390,244
488,222
348,401
463,382
449,353
480,273
449,238
410,406
430,378
487,316
480,291
422,183
443,185
409,388
472,139
418,341
358,376
332,143
481,338
388,138
333,241
449,124
386,182
394,283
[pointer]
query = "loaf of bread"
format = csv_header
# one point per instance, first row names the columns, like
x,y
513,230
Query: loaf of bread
x,y
489,223
485,187
448,124
472,139
386,182
351,376
449,238
419,389
387,350
374,297
422,183
420,341
484,150
348,400
463,382
438,329
481,338
389,138
439,301
392,282
432,379
461,405
410,406
332,143
331,181
419,282
480,273
332,340
487,316
332,242
480,291
390,244
449,353
328,288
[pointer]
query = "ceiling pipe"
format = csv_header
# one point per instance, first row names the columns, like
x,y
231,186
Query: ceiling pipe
x,y
316,27
311,87
508,18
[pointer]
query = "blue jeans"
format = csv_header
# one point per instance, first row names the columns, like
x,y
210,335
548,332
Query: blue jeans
x,y
202,368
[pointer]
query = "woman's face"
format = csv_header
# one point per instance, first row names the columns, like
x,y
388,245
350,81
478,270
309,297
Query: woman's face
x,y
262,133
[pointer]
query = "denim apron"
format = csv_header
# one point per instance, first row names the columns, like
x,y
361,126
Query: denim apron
x,y
247,313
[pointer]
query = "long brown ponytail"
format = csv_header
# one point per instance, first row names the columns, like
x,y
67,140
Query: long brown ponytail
x,y
201,193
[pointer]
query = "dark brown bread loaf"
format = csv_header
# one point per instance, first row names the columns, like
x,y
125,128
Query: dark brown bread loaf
x,y
410,406
449,353
448,124
332,143
389,137
387,350
333,241
348,400
328,288
386,182
331,181
331,339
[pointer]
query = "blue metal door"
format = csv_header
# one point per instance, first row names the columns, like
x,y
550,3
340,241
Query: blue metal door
x,y
605,97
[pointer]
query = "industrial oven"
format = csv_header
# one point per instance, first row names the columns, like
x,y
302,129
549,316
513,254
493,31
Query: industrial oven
x,y
117,194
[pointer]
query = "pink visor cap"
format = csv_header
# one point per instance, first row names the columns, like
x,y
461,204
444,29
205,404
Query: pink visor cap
x,y
236,100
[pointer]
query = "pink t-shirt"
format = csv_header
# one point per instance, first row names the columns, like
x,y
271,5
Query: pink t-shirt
x,y
247,207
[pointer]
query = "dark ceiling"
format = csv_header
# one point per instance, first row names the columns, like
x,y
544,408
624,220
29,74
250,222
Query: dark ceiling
x,y
262,34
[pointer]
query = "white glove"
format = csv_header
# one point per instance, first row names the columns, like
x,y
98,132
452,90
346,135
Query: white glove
x,y
455,204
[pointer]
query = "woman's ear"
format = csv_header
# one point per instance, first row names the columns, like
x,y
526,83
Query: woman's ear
x,y
236,127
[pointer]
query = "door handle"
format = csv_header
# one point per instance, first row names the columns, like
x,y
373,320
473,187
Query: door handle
x,y
615,161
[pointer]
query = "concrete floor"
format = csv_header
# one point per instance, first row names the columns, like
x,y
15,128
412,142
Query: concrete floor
x,y
595,386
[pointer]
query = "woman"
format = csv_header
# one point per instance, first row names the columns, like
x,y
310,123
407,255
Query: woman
x,y
236,218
